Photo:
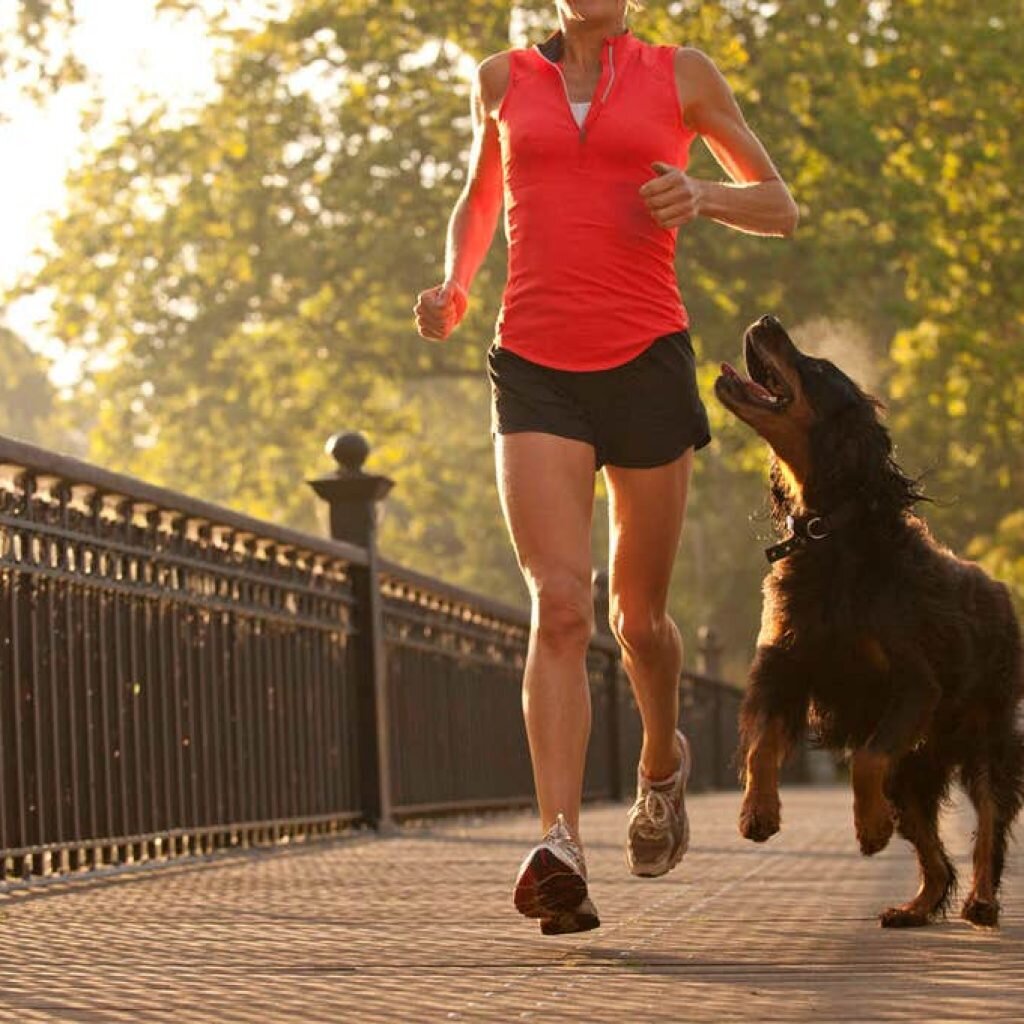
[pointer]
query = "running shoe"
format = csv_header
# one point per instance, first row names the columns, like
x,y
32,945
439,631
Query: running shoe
x,y
552,884
659,830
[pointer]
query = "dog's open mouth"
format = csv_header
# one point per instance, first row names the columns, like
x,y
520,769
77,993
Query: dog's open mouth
x,y
764,387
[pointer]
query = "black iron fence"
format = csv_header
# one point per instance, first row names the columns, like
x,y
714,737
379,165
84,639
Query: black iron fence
x,y
176,678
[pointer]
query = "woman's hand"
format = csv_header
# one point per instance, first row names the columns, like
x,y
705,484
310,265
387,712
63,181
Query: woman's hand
x,y
440,310
673,198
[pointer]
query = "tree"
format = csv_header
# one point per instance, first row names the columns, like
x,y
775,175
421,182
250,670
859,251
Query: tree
x,y
242,283
26,396
34,47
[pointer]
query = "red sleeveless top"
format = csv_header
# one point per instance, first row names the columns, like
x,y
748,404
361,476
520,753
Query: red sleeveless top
x,y
591,275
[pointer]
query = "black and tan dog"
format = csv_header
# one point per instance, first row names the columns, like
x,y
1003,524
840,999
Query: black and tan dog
x,y
889,646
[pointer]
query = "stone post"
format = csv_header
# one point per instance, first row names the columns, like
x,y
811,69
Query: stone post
x,y
353,497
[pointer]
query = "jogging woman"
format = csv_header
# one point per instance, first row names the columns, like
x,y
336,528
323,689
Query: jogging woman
x,y
585,140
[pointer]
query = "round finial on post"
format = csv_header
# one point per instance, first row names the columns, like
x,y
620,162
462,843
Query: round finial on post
x,y
349,450
352,494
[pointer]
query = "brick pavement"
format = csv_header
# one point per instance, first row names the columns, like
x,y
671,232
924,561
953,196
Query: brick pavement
x,y
419,928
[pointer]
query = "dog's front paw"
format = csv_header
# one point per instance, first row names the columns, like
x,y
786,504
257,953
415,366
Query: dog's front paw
x,y
759,818
874,832
908,916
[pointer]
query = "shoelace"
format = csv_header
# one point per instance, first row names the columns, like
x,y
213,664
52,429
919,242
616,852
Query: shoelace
x,y
651,813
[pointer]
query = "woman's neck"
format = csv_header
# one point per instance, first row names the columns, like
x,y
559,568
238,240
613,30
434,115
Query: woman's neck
x,y
582,41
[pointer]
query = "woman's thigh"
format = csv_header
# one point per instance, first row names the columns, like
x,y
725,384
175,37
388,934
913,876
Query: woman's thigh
x,y
646,508
546,486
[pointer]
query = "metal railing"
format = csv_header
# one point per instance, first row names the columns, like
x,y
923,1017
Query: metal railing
x,y
176,678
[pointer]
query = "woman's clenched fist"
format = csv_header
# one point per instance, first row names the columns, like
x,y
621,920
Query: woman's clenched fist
x,y
673,198
440,310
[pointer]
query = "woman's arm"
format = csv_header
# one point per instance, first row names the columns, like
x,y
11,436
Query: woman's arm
x,y
474,218
756,200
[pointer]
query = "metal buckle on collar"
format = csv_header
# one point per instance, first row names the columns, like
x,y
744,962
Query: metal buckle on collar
x,y
811,529
815,528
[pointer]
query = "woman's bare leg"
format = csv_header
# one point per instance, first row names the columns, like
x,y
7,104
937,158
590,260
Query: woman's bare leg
x,y
546,485
646,510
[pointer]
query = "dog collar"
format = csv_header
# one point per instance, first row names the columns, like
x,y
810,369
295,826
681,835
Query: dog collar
x,y
811,526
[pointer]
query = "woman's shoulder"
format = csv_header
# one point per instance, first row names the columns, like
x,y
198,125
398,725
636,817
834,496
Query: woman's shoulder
x,y
693,64
495,70
496,73
493,75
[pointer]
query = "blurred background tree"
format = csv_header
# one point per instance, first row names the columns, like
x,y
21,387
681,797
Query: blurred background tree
x,y
35,53
240,283
26,395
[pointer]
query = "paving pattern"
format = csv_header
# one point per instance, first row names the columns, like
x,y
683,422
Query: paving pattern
x,y
419,927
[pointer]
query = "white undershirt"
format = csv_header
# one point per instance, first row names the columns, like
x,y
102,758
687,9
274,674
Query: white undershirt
x,y
580,111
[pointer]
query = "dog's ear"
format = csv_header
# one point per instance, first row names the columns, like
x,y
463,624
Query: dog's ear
x,y
862,438
852,457
850,448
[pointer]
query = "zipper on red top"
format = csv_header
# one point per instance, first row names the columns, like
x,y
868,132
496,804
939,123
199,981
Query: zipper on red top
x,y
604,87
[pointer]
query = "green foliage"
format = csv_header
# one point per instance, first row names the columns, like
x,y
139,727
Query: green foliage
x,y
242,283
26,397
1002,553
35,51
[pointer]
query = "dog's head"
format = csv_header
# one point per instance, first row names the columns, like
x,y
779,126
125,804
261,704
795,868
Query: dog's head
x,y
824,430
787,392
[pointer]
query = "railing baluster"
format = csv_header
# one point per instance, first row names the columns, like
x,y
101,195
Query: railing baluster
x,y
6,678
170,734
122,757
56,709
215,738
89,655
18,582
73,689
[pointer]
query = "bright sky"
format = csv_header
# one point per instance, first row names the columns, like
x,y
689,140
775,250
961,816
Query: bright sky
x,y
130,51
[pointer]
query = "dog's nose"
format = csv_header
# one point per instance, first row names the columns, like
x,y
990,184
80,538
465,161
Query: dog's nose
x,y
768,320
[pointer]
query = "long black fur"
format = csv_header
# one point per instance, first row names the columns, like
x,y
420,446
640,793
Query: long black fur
x,y
878,636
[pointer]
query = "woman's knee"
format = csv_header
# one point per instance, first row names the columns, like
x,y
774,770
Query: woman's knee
x,y
563,609
639,628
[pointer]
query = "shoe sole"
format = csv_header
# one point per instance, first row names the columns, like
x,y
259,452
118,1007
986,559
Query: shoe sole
x,y
548,888
569,922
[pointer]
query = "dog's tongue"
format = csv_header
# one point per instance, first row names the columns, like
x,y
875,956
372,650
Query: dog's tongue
x,y
729,370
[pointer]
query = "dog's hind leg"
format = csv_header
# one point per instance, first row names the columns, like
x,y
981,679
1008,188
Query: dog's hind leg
x,y
919,784
981,907
996,788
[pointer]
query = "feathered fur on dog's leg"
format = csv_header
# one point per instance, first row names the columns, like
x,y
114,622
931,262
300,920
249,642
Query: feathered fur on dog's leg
x,y
920,782
772,719
993,773
995,785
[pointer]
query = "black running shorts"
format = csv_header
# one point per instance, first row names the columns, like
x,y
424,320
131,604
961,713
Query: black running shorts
x,y
644,413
